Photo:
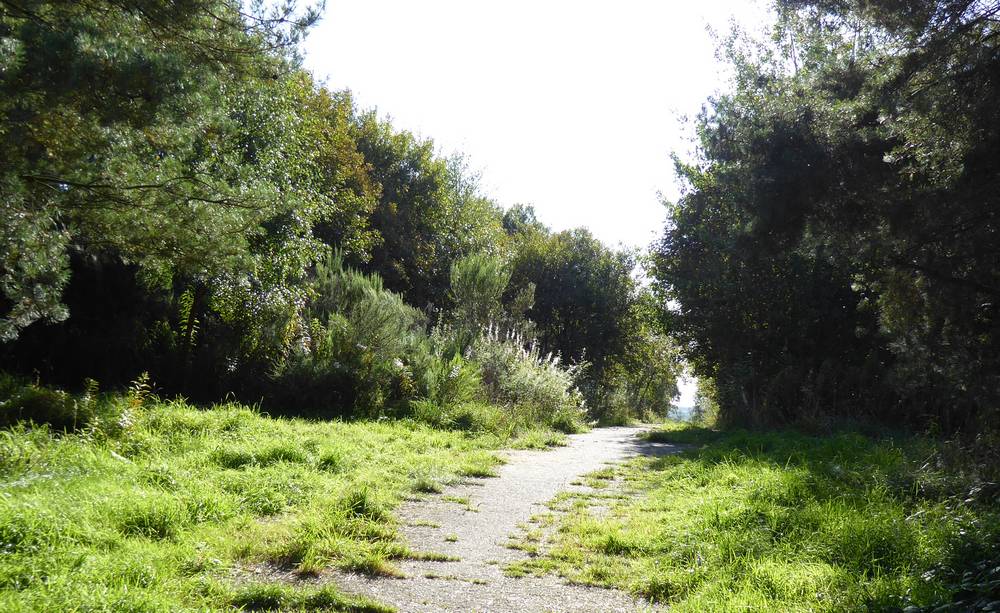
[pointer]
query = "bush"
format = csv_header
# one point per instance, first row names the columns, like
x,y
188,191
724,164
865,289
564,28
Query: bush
x,y
352,356
515,374
454,381
478,283
567,420
40,405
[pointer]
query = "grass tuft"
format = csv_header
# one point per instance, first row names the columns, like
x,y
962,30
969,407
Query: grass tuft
x,y
364,502
239,456
279,597
151,516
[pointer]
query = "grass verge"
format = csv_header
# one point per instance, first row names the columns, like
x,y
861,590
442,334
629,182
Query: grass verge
x,y
783,521
160,506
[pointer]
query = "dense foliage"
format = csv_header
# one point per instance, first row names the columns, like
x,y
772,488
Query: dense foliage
x,y
587,305
187,212
835,252
211,215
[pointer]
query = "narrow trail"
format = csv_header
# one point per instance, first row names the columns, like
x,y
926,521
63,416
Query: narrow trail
x,y
477,533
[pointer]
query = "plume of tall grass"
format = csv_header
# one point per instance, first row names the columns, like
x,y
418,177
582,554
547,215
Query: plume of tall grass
x,y
516,372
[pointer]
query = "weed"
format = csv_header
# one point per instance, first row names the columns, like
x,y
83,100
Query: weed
x,y
426,485
461,500
334,461
473,580
538,439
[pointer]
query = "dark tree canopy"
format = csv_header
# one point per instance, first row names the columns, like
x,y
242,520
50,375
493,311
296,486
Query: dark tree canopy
x,y
836,249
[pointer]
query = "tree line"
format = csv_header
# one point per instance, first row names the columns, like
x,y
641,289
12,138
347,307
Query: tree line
x,y
182,198
835,252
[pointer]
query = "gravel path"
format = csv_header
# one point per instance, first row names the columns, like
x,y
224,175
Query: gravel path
x,y
477,534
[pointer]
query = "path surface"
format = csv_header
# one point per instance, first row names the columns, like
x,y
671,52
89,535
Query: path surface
x,y
478,538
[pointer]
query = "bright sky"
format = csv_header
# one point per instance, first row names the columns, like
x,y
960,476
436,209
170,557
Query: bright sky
x,y
570,106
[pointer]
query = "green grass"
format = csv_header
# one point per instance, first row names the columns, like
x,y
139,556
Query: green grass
x,y
783,521
167,510
278,597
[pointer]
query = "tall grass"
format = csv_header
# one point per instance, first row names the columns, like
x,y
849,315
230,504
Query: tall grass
x,y
784,521
176,507
516,373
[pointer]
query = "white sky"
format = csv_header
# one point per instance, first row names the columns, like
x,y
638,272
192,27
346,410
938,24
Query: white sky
x,y
571,106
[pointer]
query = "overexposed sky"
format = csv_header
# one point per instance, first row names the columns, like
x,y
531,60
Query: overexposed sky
x,y
570,106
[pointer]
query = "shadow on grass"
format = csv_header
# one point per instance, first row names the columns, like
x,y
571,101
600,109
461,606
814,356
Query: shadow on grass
x,y
898,526
683,435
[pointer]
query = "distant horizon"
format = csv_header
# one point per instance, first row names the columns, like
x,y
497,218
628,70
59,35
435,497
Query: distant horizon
x,y
688,387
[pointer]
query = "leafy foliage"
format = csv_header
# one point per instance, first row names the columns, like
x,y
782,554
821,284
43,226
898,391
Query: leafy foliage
x,y
176,164
516,374
478,283
352,357
181,221
834,251
429,212
588,307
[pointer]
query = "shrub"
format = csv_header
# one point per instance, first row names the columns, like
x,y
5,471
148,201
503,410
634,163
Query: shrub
x,y
478,283
64,412
40,405
514,373
454,381
567,421
352,354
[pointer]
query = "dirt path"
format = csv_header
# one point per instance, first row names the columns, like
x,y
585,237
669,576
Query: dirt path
x,y
476,533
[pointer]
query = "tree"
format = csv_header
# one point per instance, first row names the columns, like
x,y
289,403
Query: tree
x,y
429,212
583,293
649,367
174,163
478,283
835,250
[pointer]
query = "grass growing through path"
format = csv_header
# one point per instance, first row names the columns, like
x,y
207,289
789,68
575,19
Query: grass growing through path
x,y
783,521
174,507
